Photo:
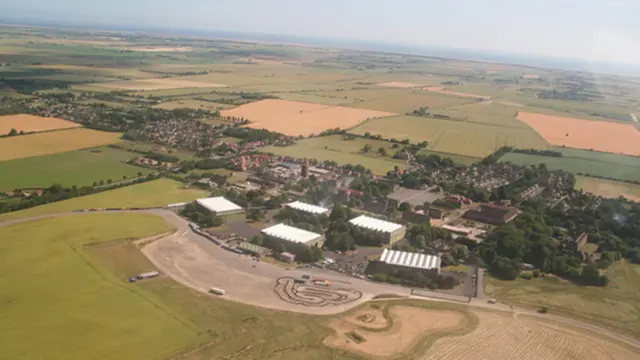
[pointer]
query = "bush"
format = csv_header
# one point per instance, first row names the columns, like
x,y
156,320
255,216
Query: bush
x,y
543,310
526,276
536,273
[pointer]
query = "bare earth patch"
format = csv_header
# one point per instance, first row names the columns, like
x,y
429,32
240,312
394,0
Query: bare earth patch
x,y
32,123
585,134
503,336
410,325
157,84
300,118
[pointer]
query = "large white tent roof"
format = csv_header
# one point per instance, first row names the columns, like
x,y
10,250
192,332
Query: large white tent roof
x,y
290,233
375,224
409,259
218,204
313,209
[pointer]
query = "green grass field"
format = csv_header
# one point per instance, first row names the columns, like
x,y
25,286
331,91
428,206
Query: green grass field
x,y
407,101
486,113
159,192
343,152
577,161
458,159
58,304
616,306
455,137
608,188
80,168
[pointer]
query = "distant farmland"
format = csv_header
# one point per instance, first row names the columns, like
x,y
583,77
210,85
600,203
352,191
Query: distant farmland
x,y
24,146
406,102
577,161
80,168
343,152
455,137
608,188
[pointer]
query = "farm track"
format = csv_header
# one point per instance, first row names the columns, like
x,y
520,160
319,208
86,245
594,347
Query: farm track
x,y
182,227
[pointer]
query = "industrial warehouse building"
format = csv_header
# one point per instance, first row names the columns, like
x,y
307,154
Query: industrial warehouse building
x,y
307,208
392,231
219,206
405,264
290,239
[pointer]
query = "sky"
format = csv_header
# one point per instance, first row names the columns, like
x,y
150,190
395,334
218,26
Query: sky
x,y
591,30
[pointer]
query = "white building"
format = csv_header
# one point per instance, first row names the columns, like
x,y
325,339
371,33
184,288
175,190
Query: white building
x,y
307,208
392,231
219,206
408,262
294,235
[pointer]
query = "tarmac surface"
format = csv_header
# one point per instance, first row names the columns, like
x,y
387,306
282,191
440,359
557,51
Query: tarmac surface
x,y
196,262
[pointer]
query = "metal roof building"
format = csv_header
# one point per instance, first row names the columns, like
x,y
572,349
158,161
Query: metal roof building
x,y
375,224
292,234
409,259
308,208
219,205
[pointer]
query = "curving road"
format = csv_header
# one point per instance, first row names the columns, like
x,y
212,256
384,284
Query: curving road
x,y
182,253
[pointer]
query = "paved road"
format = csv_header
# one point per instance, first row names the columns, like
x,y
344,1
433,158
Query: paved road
x,y
270,272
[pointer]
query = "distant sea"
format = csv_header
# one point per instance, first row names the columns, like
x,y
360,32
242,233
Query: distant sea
x,y
430,51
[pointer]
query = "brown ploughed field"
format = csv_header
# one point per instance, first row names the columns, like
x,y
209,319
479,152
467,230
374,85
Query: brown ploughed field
x,y
585,134
300,118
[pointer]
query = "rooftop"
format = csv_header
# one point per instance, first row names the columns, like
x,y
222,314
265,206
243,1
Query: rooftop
x,y
313,209
218,204
375,224
290,233
409,259
415,197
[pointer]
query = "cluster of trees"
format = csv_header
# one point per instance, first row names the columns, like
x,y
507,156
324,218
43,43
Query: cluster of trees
x,y
496,156
14,132
201,217
250,135
529,239
421,111
313,223
32,85
371,188
548,153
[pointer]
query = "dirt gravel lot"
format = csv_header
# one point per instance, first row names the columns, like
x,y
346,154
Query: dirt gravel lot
x,y
585,134
505,336
32,123
410,325
300,118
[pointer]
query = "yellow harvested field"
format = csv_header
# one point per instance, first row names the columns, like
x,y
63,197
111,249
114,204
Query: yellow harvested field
x,y
608,188
381,339
32,123
299,118
17,147
157,84
603,136
505,336
399,84
159,48
442,90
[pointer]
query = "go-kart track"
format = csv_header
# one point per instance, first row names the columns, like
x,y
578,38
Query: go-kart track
x,y
198,263
307,294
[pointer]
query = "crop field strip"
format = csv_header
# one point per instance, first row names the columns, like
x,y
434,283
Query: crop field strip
x,y
23,146
455,137
577,161
334,148
80,168
608,188
156,193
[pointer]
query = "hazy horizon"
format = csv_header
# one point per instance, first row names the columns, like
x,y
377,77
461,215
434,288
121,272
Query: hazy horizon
x,y
591,31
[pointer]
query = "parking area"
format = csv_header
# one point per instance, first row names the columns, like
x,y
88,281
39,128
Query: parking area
x,y
352,263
